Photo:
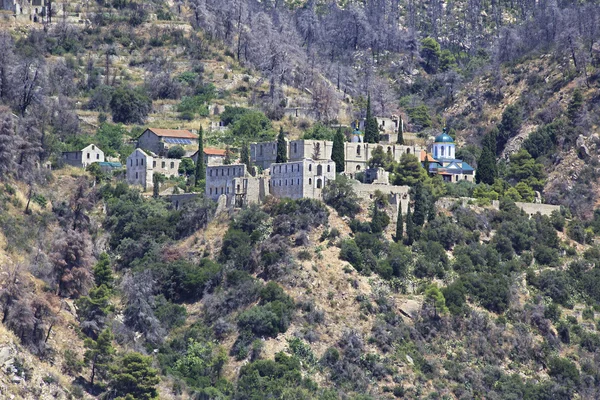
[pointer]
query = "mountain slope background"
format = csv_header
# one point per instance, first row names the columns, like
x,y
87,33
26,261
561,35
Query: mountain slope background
x,y
294,299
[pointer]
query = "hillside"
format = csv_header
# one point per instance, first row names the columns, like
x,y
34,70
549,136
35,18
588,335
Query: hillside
x,y
107,292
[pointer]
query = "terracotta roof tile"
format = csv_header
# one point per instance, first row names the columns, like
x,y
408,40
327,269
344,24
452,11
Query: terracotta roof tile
x,y
211,151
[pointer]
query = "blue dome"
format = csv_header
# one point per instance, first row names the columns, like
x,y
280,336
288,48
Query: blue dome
x,y
444,138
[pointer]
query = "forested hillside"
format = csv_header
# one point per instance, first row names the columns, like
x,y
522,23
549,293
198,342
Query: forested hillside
x,y
108,292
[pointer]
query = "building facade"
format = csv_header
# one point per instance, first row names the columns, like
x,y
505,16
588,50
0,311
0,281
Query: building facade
x,y
301,179
141,167
86,156
445,163
236,184
158,141
212,156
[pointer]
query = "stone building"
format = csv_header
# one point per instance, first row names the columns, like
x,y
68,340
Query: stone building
x,y
142,165
264,154
84,157
301,179
357,154
236,184
32,10
212,156
158,141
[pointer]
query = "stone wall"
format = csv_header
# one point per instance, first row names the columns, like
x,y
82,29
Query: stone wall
x,y
150,141
301,179
533,208
396,194
529,208
358,154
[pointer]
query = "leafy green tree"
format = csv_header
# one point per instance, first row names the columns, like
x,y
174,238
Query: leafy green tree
x,y
253,125
420,117
176,152
430,51
338,151
109,138
379,158
130,106
447,60
200,173
379,219
399,225
281,147
187,167
575,105
134,378
350,252
435,298
409,171
233,114
99,355
319,131
340,195
400,131
371,127
524,168
203,359
95,170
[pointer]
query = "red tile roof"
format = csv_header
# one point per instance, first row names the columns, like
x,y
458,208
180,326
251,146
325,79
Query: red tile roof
x,y
210,151
173,133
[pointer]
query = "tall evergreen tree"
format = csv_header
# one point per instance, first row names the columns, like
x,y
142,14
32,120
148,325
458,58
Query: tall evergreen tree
x,y
400,131
245,156
281,147
410,227
100,355
399,225
337,151
486,164
575,105
200,174
371,128
420,204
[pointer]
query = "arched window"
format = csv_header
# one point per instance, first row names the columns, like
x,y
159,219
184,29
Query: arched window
x,y
389,150
261,150
238,187
442,149
310,167
408,151
318,184
358,167
358,150
309,181
295,147
319,169
329,168
172,164
435,152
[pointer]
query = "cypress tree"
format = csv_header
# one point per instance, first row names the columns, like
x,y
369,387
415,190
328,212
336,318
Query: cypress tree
x,y
371,128
486,164
281,147
420,204
575,105
200,173
399,225
227,160
410,228
245,156
400,131
337,151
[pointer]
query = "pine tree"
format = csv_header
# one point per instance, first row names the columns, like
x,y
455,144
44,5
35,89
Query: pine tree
x,y
575,105
200,174
410,227
400,131
100,354
371,128
337,151
399,225
281,147
133,377
103,272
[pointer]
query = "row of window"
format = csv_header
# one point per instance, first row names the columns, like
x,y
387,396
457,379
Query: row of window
x,y
389,150
140,162
223,190
285,170
284,182
233,171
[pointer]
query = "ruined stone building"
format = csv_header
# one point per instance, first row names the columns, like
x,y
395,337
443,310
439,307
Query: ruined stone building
x,y
84,157
141,167
237,185
357,153
159,141
212,156
301,179
33,10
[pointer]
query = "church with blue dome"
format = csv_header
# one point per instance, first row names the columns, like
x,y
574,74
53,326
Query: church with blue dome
x,y
442,160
